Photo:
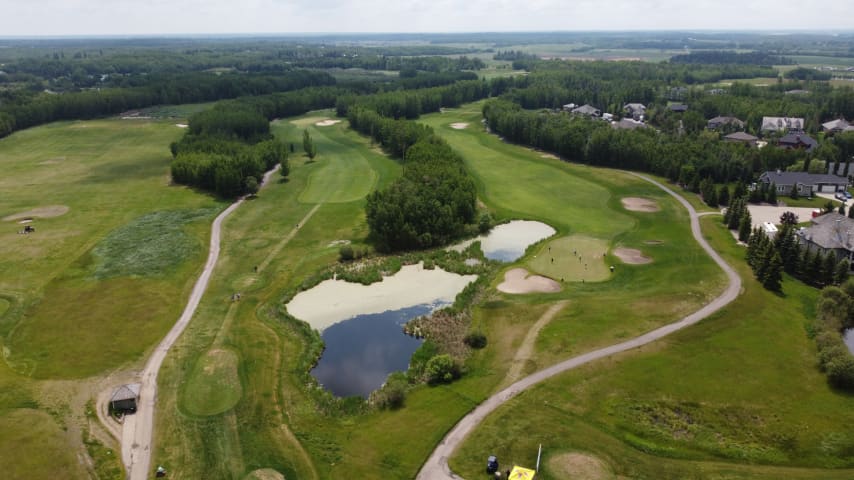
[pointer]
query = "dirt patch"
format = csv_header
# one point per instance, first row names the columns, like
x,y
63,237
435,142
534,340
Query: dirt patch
x,y
459,126
632,256
327,123
49,211
519,280
264,474
637,204
579,466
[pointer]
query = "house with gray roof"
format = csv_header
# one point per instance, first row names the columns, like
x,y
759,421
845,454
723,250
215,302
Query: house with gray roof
x,y
720,122
587,110
830,232
797,141
805,183
628,124
782,124
634,110
837,126
125,398
741,137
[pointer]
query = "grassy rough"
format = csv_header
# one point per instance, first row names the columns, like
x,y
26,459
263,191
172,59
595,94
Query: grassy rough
x,y
214,385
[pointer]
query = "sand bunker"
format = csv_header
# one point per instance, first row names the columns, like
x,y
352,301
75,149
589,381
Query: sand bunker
x,y
265,474
632,256
333,301
327,123
49,211
181,125
518,280
459,126
637,204
579,466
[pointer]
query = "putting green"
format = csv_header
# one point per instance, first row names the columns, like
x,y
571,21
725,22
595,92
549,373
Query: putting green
x,y
573,259
214,386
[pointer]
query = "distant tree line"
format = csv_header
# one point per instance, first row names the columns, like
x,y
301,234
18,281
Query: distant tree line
x,y
22,112
719,57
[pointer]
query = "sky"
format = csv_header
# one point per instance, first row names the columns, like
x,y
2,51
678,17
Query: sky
x,y
153,17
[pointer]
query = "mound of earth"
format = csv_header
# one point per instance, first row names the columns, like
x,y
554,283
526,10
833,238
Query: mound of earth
x,y
632,256
264,474
49,211
327,123
519,280
580,466
459,125
637,204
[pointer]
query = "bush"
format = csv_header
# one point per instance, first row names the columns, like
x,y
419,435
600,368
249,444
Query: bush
x,y
442,369
393,394
346,253
475,340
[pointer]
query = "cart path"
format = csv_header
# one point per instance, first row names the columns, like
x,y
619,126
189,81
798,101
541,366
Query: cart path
x,y
436,466
138,429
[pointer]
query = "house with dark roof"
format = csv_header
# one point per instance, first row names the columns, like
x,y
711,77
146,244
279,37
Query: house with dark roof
x,y
797,141
719,122
634,110
741,137
678,107
830,232
805,183
125,398
587,110
782,124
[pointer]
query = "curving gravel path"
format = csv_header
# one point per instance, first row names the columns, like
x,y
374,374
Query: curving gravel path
x,y
137,429
436,466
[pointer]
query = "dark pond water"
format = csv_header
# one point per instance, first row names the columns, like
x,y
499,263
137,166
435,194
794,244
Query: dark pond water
x,y
848,336
361,352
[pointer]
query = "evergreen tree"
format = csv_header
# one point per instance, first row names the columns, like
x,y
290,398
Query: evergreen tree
x,y
772,194
828,269
841,274
723,195
740,190
764,261
744,227
308,144
816,274
754,244
773,273
793,194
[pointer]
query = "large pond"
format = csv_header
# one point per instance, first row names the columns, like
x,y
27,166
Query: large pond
x,y
848,337
507,242
361,324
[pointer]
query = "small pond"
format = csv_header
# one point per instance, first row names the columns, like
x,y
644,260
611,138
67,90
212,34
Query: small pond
x,y
848,337
361,325
361,352
507,242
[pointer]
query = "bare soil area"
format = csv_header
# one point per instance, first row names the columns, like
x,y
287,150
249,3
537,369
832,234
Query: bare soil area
x,y
632,256
519,280
49,211
637,204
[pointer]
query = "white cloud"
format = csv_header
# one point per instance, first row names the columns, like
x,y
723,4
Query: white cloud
x,y
68,17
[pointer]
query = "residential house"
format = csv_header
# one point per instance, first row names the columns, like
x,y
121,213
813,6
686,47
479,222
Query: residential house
x,y
837,126
797,141
628,124
569,106
125,398
635,110
720,122
587,110
741,137
677,93
678,107
782,124
830,232
805,183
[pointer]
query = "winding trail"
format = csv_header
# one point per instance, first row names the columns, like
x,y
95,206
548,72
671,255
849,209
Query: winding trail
x,y
138,429
436,467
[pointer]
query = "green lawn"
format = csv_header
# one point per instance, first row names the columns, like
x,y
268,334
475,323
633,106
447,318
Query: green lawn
x,y
572,259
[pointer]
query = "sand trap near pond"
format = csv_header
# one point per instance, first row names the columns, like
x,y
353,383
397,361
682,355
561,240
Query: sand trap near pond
x,y
459,126
519,280
632,256
579,466
327,123
637,204
49,211
333,301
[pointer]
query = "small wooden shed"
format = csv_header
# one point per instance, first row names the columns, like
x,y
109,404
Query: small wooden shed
x,y
124,399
